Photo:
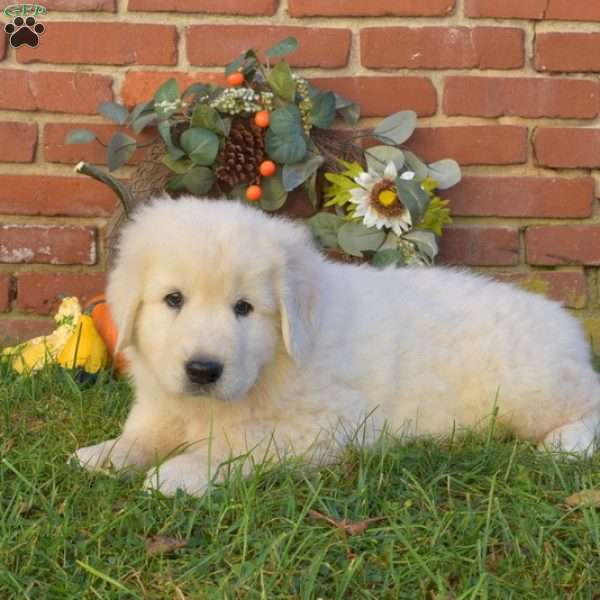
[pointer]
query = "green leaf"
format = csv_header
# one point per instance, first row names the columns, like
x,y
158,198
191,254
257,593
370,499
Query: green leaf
x,y
180,166
119,151
296,174
164,128
281,81
425,242
396,128
324,227
416,164
355,238
139,110
310,188
288,150
414,197
199,180
274,194
234,66
166,99
206,116
198,89
379,156
446,173
322,113
143,121
114,112
175,184
201,145
285,46
80,136
286,122
349,110
384,258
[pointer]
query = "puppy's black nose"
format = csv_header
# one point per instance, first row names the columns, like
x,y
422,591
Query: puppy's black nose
x,y
203,371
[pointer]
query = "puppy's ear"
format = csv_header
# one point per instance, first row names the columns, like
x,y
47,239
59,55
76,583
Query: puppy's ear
x,y
298,296
123,294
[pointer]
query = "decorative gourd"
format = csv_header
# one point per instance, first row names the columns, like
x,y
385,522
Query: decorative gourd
x,y
100,313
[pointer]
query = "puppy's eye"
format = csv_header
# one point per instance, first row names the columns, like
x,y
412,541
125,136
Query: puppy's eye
x,y
241,308
174,300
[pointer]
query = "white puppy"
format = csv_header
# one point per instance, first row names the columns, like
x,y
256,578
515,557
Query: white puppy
x,y
242,337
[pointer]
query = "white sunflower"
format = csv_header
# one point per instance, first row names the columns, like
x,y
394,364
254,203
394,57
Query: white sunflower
x,y
377,200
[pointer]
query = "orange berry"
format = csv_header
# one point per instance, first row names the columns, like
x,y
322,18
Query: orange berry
x,y
262,118
253,193
267,168
235,79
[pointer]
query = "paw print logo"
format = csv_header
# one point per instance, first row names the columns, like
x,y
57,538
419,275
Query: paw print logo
x,y
24,31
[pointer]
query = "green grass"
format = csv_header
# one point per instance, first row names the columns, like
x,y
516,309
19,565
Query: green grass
x,y
471,518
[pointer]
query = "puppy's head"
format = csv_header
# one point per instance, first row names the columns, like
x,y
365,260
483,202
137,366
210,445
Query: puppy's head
x,y
206,294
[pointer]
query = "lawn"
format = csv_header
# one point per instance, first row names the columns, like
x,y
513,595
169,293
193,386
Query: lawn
x,y
478,517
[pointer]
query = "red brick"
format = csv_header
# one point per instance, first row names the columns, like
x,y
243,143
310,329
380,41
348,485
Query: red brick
x,y
4,293
381,96
77,42
18,330
567,147
224,7
372,8
479,246
567,52
506,9
573,10
55,92
55,149
139,86
47,244
567,287
543,197
80,5
42,292
55,196
522,97
563,245
442,48
19,141
210,45
472,145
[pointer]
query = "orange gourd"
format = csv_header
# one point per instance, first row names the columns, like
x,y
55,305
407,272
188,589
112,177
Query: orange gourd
x,y
105,326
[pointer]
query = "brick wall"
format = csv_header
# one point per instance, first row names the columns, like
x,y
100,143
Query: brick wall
x,y
509,88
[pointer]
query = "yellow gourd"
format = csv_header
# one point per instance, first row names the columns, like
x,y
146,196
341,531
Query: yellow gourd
x,y
85,348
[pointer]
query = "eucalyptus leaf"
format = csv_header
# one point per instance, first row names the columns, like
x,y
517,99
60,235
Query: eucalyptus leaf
x,y
143,121
206,116
356,238
286,122
349,110
80,136
281,81
416,165
414,197
119,150
322,113
199,180
445,172
175,184
285,46
166,99
234,66
198,89
396,128
114,112
288,150
425,242
180,166
310,188
296,174
379,156
274,194
164,128
201,145
385,258
139,109
324,227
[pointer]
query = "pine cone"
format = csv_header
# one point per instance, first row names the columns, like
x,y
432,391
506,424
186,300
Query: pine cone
x,y
242,153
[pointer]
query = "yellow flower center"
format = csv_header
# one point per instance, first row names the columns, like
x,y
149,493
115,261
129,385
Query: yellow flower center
x,y
387,198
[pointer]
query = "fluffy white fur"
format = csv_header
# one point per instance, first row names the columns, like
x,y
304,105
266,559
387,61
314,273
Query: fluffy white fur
x,y
425,350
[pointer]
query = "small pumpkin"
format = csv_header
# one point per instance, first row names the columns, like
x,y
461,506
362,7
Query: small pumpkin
x,y
105,326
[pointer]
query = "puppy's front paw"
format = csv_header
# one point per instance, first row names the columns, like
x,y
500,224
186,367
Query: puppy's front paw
x,y
184,472
112,454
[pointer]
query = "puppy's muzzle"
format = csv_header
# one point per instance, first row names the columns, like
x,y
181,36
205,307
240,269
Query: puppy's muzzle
x,y
203,371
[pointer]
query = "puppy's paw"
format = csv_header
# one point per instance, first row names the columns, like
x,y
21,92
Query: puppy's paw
x,y
112,454
184,472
